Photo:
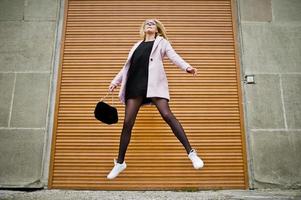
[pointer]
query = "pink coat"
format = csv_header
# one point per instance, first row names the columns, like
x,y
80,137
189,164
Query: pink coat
x,y
157,81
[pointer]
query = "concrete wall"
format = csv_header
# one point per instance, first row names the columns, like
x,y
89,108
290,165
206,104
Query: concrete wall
x,y
27,39
270,32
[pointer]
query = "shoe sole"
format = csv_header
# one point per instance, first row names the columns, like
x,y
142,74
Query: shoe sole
x,y
199,167
116,175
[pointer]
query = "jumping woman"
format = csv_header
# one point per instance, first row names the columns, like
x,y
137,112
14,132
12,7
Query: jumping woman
x,y
143,82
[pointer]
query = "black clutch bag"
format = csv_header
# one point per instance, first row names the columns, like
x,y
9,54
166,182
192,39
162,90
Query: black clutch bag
x,y
105,112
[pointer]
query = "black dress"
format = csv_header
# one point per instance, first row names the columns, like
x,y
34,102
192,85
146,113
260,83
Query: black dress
x,y
137,76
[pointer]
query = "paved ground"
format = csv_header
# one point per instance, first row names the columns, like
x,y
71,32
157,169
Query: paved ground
x,y
150,195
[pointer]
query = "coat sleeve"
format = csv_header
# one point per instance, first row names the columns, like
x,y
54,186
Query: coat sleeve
x,y
118,78
174,57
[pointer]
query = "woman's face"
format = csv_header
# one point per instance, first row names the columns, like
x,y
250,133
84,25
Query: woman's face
x,y
150,26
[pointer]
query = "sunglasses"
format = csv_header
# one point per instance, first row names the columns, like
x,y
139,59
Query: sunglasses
x,y
150,23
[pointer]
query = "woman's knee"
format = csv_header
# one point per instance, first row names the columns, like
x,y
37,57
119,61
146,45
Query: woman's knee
x,y
167,116
128,125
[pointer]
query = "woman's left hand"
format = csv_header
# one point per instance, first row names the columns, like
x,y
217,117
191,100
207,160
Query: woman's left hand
x,y
192,70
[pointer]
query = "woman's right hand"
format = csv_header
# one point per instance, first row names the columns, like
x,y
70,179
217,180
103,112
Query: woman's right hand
x,y
112,87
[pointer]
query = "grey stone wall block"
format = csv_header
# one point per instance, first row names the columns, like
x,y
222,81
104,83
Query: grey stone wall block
x,y
40,10
264,107
256,10
11,10
271,48
10,36
295,145
291,84
30,100
286,11
276,159
21,153
26,46
6,90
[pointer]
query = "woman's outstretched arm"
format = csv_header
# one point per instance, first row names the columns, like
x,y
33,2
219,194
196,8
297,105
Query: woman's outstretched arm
x,y
177,60
118,78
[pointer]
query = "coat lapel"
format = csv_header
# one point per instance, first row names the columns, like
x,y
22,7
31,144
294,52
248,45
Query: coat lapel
x,y
157,40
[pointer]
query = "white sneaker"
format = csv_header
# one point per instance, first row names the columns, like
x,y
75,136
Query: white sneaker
x,y
116,169
196,161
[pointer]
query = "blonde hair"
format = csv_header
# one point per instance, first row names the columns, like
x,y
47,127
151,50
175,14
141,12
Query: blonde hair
x,y
160,27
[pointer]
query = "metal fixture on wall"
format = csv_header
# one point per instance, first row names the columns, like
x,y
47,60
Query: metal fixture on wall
x,y
249,79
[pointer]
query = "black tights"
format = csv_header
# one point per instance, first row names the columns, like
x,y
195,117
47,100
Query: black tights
x,y
131,109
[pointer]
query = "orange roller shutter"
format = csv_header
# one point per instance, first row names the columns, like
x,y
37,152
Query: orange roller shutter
x,y
97,36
